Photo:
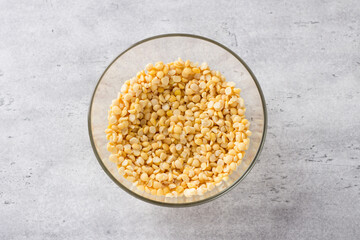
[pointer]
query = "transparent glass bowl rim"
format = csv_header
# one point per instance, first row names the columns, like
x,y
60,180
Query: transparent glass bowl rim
x,y
203,200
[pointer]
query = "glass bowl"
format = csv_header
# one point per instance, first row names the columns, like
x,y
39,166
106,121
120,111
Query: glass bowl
x,y
168,48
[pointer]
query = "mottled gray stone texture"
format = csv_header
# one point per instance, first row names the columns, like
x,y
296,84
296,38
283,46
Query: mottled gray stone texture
x,y
306,56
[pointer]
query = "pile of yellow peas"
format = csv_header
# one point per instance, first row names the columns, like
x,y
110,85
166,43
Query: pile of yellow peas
x,y
177,128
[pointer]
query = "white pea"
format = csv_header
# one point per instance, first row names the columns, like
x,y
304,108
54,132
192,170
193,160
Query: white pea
x,y
165,107
113,120
127,97
144,177
134,140
210,104
228,91
176,112
178,147
178,164
233,166
116,110
113,158
194,87
152,129
132,118
202,85
165,81
218,106
156,160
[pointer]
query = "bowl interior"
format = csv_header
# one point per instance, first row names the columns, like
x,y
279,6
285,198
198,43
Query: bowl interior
x,y
168,48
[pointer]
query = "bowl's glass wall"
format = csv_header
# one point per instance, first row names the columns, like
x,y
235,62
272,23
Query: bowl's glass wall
x,y
168,49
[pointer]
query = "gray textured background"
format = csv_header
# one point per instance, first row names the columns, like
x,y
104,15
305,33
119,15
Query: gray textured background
x,y
306,56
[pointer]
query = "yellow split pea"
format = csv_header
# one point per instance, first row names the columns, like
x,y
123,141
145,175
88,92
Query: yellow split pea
x,y
177,129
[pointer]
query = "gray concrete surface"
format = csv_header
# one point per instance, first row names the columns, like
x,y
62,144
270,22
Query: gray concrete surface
x,y
306,55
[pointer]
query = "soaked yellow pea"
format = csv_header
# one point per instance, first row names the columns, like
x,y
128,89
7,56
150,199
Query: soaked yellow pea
x,y
177,129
